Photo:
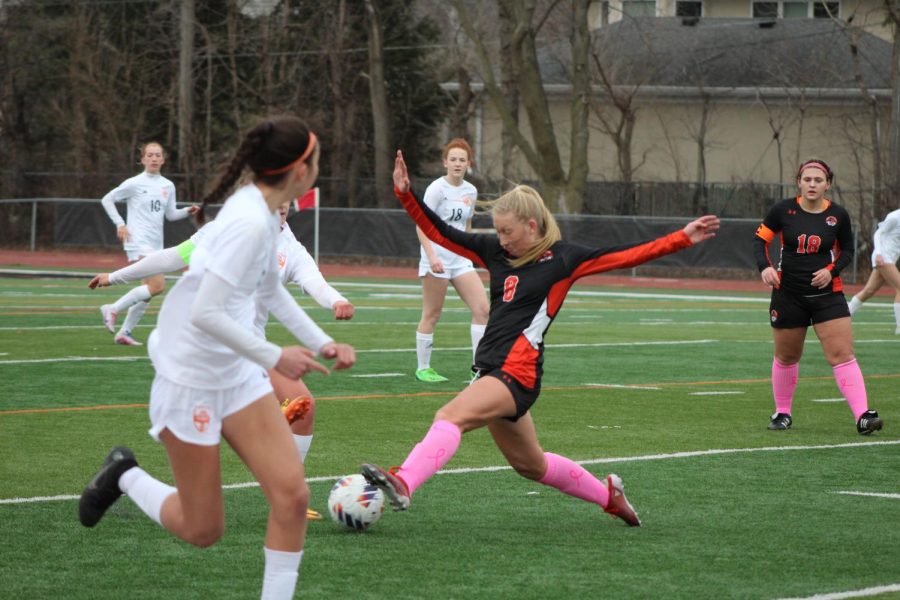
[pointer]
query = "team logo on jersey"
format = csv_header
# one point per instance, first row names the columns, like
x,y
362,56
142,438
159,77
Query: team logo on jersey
x,y
282,260
548,255
467,200
201,417
791,211
165,194
831,221
774,315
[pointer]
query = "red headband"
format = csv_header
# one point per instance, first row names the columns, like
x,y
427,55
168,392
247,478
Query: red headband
x,y
304,156
816,165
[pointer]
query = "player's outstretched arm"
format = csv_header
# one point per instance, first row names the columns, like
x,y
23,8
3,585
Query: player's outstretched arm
x,y
702,229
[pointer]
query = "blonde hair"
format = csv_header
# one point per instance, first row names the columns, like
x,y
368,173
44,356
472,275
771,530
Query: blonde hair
x,y
524,203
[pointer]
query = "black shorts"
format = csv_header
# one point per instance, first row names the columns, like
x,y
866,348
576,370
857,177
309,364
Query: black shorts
x,y
788,311
524,397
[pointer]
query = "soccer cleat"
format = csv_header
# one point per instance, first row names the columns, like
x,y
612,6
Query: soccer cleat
x,y
103,489
313,515
295,409
618,505
109,317
869,422
125,339
429,375
780,421
390,483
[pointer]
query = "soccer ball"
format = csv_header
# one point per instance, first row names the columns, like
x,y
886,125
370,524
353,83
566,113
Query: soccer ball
x,y
354,503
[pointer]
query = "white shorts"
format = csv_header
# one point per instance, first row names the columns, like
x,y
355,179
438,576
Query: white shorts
x,y
137,250
453,267
195,415
890,258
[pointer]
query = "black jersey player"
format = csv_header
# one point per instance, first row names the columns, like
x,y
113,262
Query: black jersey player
x,y
816,245
531,271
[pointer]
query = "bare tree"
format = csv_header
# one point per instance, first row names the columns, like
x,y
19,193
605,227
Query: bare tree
x,y
186,19
521,24
380,113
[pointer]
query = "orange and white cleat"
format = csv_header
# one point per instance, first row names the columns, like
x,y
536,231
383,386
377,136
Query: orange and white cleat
x,y
618,505
313,515
295,409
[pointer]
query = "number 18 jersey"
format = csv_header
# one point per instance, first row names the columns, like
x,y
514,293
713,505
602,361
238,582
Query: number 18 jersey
x,y
809,242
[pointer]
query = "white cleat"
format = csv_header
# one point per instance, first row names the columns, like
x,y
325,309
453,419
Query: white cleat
x,y
109,317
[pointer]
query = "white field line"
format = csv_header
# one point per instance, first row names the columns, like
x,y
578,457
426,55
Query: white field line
x,y
493,469
368,375
828,400
715,393
623,386
73,359
871,591
869,494
375,350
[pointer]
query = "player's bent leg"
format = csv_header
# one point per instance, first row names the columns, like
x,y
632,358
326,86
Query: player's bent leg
x,y
156,284
518,443
196,514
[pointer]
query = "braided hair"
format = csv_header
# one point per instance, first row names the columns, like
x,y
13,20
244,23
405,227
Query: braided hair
x,y
268,150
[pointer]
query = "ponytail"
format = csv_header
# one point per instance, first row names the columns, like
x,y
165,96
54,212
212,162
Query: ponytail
x,y
269,150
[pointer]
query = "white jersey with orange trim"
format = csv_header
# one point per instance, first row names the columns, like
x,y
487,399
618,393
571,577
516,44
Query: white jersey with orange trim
x,y
296,265
887,239
455,205
150,199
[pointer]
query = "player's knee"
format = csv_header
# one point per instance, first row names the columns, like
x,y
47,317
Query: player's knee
x,y
431,317
204,535
528,470
156,287
290,501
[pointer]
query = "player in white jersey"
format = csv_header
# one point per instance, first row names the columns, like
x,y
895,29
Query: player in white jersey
x,y
150,198
885,255
295,265
207,357
453,199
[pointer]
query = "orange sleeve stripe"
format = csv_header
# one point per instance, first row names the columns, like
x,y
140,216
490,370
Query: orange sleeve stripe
x,y
765,233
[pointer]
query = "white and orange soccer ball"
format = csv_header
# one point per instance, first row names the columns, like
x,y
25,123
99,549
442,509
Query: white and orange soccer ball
x,y
354,503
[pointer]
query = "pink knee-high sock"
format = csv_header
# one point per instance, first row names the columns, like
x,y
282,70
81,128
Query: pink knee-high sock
x,y
853,387
571,478
433,452
784,382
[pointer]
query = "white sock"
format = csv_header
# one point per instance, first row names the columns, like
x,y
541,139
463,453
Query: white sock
x,y
854,305
897,315
303,442
280,575
145,491
141,292
134,315
477,332
424,342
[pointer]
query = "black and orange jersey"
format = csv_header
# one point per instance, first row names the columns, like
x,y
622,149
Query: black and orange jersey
x,y
809,242
525,300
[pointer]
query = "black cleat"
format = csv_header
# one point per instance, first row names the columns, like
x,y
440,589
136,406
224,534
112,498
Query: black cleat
x,y
780,421
869,422
103,489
